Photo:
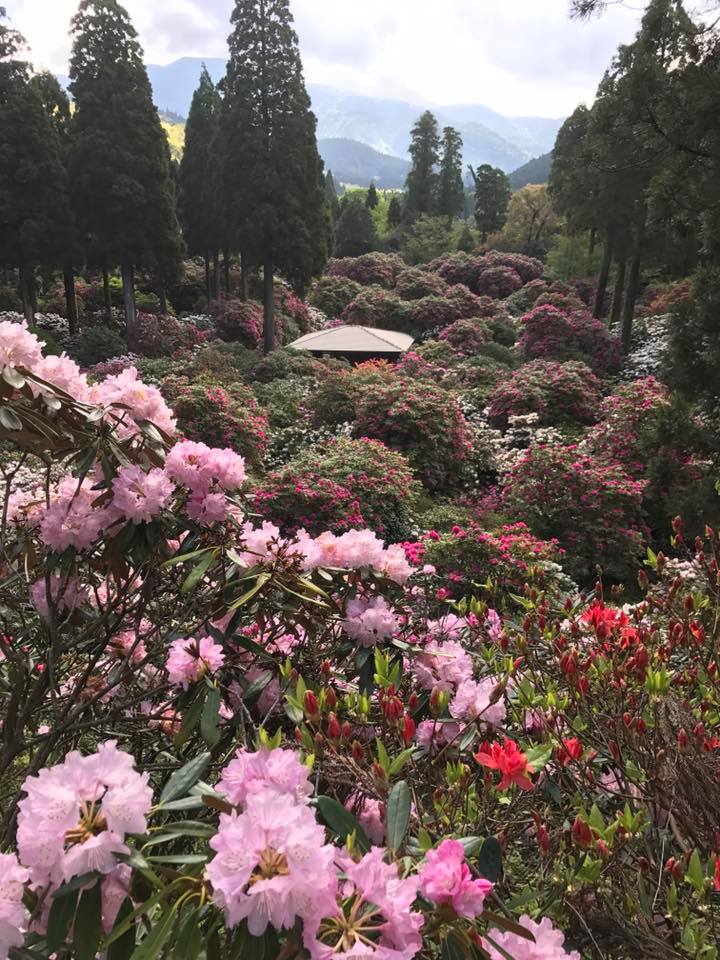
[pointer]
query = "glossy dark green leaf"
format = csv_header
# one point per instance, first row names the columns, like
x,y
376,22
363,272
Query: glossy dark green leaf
x,y
151,945
211,717
87,930
398,814
123,947
185,778
191,717
490,860
62,912
341,821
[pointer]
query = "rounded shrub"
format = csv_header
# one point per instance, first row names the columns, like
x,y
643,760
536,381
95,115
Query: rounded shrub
x,y
381,269
158,335
550,333
557,392
96,344
375,307
238,321
465,336
332,294
413,284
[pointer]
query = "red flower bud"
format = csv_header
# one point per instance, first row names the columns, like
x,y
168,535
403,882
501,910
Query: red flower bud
x,y
358,752
408,733
334,731
311,706
581,833
330,698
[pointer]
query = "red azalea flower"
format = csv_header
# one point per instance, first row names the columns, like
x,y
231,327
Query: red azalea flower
x,y
509,760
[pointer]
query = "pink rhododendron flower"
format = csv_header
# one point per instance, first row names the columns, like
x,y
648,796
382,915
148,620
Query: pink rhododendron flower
x,y
443,665
64,592
445,878
144,402
369,620
278,770
208,507
13,915
18,347
272,864
433,734
141,496
374,917
75,815
549,943
72,519
198,466
369,813
472,702
63,373
189,660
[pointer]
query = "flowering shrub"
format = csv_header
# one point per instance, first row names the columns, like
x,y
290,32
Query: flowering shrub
x,y
341,484
158,335
432,312
283,363
498,281
236,320
523,299
558,392
422,421
465,336
332,294
227,416
503,561
381,269
591,506
97,344
375,307
312,751
414,283
529,269
292,315
665,300
554,334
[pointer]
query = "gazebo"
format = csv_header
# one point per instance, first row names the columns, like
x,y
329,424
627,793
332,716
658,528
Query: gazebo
x,y
355,343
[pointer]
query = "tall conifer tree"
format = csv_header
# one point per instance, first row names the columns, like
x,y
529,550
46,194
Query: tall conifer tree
x,y
422,180
120,172
34,207
451,190
198,206
492,196
274,181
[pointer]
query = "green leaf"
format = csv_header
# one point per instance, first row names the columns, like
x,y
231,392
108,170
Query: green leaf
x,y
490,860
399,761
398,814
539,756
152,944
186,777
695,873
211,717
87,930
191,717
62,912
471,845
188,943
259,584
188,859
123,947
383,758
254,689
198,572
341,821
453,948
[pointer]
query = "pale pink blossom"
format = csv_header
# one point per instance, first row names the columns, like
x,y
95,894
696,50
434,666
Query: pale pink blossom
x,y
75,815
472,702
369,813
189,660
197,466
369,620
72,519
64,592
13,915
272,865
63,373
374,917
549,943
208,508
445,879
18,347
442,665
140,495
254,772
115,888
143,402
434,734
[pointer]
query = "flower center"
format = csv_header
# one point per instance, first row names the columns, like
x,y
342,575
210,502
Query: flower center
x,y
90,824
358,922
271,864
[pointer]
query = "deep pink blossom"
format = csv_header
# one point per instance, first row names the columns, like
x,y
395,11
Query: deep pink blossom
x,y
445,878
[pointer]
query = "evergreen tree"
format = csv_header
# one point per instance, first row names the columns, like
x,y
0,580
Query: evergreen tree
x,y
451,190
198,207
466,241
34,207
372,199
492,196
274,181
331,195
421,182
394,213
355,233
121,180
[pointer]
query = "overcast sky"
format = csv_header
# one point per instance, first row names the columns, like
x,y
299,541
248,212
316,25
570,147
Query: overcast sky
x,y
517,56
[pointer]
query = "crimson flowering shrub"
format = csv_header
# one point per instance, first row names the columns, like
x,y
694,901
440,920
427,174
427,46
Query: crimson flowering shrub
x,y
422,421
565,301
381,269
414,283
334,400
375,307
465,336
657,302
557,392
554,334
237,321
590,505
505,560
292,315
523,299
332,294
456,268
529,269
312,750
367,485
158,335
224,416
498,281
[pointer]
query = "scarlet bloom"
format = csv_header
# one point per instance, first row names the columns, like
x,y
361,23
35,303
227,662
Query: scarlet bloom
x,y
571,749
509,760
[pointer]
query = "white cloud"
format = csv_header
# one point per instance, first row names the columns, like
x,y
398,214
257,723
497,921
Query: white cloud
x,y
517,56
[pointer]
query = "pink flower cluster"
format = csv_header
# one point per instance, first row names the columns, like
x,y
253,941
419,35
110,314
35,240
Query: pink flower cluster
x,y
18,347
207,472
72,519
64,593
369,620
354,550
190,660
138,402
475,701
549,943
75,815
13,915
278,770
141,496
445,878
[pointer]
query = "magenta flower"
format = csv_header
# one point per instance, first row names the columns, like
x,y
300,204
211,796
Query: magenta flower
x,y
445,879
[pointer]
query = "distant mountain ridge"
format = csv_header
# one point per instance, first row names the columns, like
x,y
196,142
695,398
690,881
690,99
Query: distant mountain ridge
x,y
536,170
382,124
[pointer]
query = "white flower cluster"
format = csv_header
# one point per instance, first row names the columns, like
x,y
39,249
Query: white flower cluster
x,y
649,348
